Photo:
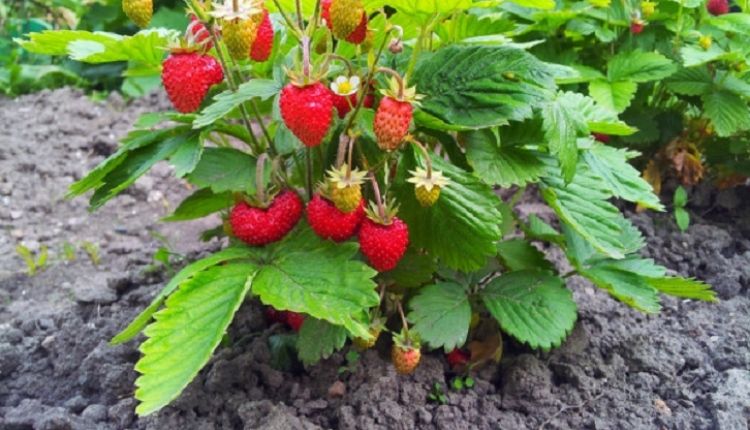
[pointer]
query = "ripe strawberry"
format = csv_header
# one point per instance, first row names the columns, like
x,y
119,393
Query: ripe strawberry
x,y
139,11
600,137
359,34
263,44
345,17
457,358
325,13
405,358
343,104
307,111
199,33
187,78
344,93
330,223
274,316
294,320
392,121
239,35
717,7
636,26
259,226
383,244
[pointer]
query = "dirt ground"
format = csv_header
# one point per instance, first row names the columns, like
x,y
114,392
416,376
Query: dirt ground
x,y
686,368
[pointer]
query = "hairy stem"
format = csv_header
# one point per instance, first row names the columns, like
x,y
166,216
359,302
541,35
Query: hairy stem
x,y
426,154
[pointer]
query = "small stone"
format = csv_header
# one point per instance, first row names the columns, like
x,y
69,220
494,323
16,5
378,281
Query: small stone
x,y
16,214
95,413
48,342
337,389
94,289
662,407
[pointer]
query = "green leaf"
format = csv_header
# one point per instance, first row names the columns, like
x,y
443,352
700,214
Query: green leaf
x,y
420,7
683,287
461,229
535,4
639,66
696,56
626,286
611,165
482,86
534,307
319,339
441,315
229,100
135,327
187,331
692,81
680,197
201,203
682,218
518,254
562,127
306,274
540,230
414,269
187,155
500,165
615,96
598,119
224,169
728,113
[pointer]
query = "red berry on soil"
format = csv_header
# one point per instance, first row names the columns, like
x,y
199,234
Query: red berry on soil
x,y
405,360
294,320
263,44
307,111
330,223
717,7
259,226
603,138
457,357
187,78
360,33
200,33
392,121
274,316
383,245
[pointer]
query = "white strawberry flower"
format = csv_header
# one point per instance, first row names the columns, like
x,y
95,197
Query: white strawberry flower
x,y
345,86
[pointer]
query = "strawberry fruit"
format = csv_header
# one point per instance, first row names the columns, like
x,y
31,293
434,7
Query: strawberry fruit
x,y
359,34
717,7
392,121
294,320
261,226
139,11
405,358
383,244
457,358
307,111
330,223
263,44
345,16
187,77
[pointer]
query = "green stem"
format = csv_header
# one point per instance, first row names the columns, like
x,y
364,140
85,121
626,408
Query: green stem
x,y
424,31
516,197
292,26
309,173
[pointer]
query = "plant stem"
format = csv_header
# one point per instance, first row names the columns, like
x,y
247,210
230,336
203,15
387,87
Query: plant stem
x,y
300,21
306,56
259,118
254,144
260,189
396,76
426,154
292,26
403,320
378,197
309,173
517,196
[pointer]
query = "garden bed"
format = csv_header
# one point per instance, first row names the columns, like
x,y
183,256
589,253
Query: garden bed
x,y
684,368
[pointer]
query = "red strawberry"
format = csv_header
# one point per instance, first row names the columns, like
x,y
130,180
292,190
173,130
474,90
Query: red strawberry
x,y
457,357
383,245
405,358
307,111
274,316
342,103
187,78
330,223
603,138
294,320
200,33
263,44
325,12
392,121
636,27
258,226
360,33
717,7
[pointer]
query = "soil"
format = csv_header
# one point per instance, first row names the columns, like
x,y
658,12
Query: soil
x,y
686,368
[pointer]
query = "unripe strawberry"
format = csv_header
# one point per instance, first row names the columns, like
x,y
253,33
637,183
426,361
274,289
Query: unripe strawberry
x,y
261,226
239,35
359,34
705,42
717,7
405,358
187,78
346,187
392,121
263,44
383,244
457,358
330,223
427,185
363,344
648,8
345,17
307,111
139,11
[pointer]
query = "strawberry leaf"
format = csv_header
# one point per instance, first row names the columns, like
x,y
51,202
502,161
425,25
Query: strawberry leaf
x,y
518,254
500,164
441,315
318,339
461,229
201,203
532,306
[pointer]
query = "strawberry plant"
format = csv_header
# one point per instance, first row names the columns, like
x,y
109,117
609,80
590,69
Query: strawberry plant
x,y
357,156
